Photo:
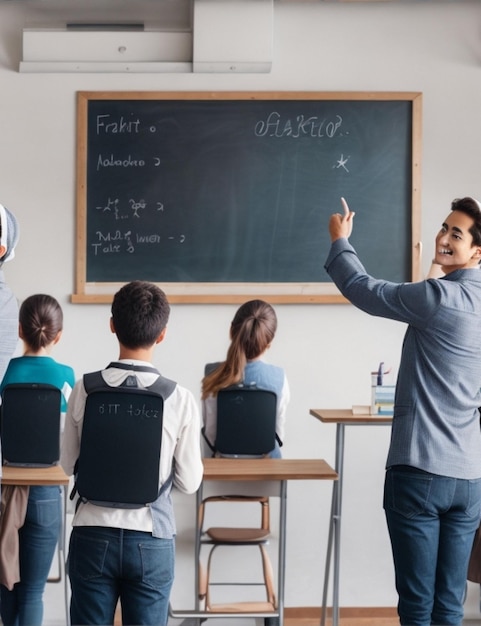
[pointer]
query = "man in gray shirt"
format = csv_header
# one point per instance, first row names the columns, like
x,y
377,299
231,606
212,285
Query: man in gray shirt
x,y
9,233
432,493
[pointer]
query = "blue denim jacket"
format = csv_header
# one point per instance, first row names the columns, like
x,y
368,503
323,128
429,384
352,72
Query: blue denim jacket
x,y
436,424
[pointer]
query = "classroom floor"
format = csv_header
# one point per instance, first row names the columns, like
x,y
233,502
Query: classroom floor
x,y
55,615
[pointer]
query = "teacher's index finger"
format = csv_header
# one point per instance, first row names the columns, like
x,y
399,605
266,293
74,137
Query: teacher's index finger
x,y
345,207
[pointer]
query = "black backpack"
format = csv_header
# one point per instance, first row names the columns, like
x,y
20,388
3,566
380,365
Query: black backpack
x,y
118,464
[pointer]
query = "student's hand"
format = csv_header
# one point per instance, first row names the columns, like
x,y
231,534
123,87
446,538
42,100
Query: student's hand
x,y
341,225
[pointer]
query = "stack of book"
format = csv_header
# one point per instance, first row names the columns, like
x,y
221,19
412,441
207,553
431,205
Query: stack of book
x,y
382,401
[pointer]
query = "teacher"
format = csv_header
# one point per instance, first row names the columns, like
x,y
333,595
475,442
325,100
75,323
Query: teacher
x,y
432,490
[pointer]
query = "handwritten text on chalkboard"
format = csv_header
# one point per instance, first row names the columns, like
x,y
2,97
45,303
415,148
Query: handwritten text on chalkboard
x,y
240,190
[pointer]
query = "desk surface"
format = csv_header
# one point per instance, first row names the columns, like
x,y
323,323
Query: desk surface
x,y
53,475
267,469
346,416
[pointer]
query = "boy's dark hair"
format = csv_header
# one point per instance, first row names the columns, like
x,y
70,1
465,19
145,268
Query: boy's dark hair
x,y
140,312
470,207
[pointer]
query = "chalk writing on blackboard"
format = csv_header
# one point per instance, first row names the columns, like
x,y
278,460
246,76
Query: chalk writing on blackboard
x,y
298,126
204,190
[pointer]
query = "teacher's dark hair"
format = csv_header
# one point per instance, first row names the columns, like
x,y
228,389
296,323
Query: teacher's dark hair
x,y
470,207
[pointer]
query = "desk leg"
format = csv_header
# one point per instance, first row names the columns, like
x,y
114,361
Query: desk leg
x,y
282,552
192,617
63,540
198,502
327,567
334,533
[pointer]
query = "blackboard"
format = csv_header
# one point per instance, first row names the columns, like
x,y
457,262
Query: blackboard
x,y
219,197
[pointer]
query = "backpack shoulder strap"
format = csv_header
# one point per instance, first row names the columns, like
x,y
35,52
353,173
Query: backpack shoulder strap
x,y
94,380
162,386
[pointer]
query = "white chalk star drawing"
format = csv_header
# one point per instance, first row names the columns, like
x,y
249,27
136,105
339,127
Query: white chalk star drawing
x,y
341,162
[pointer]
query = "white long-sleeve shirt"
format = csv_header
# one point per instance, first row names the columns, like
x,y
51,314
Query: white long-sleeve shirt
x,y
180,450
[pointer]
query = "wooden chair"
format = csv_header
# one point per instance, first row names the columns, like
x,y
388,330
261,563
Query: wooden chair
x,y
246,421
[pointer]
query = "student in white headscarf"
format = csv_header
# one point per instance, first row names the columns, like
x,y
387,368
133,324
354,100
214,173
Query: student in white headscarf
x,y
9,233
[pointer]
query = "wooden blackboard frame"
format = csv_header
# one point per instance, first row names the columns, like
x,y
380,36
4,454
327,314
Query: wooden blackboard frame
x,y
320,293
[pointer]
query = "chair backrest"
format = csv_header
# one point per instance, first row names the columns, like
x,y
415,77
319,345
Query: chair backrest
x,y
30,424
119,458
246,421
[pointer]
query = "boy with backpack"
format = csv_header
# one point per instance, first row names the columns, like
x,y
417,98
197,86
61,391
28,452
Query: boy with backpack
x,y
128,553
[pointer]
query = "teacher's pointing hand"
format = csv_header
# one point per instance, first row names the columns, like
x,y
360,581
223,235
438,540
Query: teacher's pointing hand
x,y
341,225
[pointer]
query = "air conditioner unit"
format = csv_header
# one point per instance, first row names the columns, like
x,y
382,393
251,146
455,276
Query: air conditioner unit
x,y
233,36
230,36
105,48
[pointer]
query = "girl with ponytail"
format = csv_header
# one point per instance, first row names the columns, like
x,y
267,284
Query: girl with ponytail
x,y
251,333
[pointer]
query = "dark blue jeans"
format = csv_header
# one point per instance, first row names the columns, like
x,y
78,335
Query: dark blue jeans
x,y
431,520
38,537
106,564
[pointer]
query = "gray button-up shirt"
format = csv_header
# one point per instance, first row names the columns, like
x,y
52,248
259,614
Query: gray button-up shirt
x,y
436,424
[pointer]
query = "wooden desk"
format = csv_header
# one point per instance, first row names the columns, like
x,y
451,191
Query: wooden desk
x,y
268,469
250,470
346,416
342,418
33,476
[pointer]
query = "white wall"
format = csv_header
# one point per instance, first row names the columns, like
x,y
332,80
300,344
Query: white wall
x,y
327,350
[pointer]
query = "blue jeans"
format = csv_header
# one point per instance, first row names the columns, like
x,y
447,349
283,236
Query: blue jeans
x,y
106,564
431,520
38,537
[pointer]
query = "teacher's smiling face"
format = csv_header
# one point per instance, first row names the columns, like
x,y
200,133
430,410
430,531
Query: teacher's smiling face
x,y
454,244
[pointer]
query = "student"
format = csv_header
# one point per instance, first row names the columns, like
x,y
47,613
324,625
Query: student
x,y
251,332
9,233
432,491
40,328
129,553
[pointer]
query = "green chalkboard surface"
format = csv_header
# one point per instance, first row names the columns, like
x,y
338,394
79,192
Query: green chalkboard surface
x,y
223,196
